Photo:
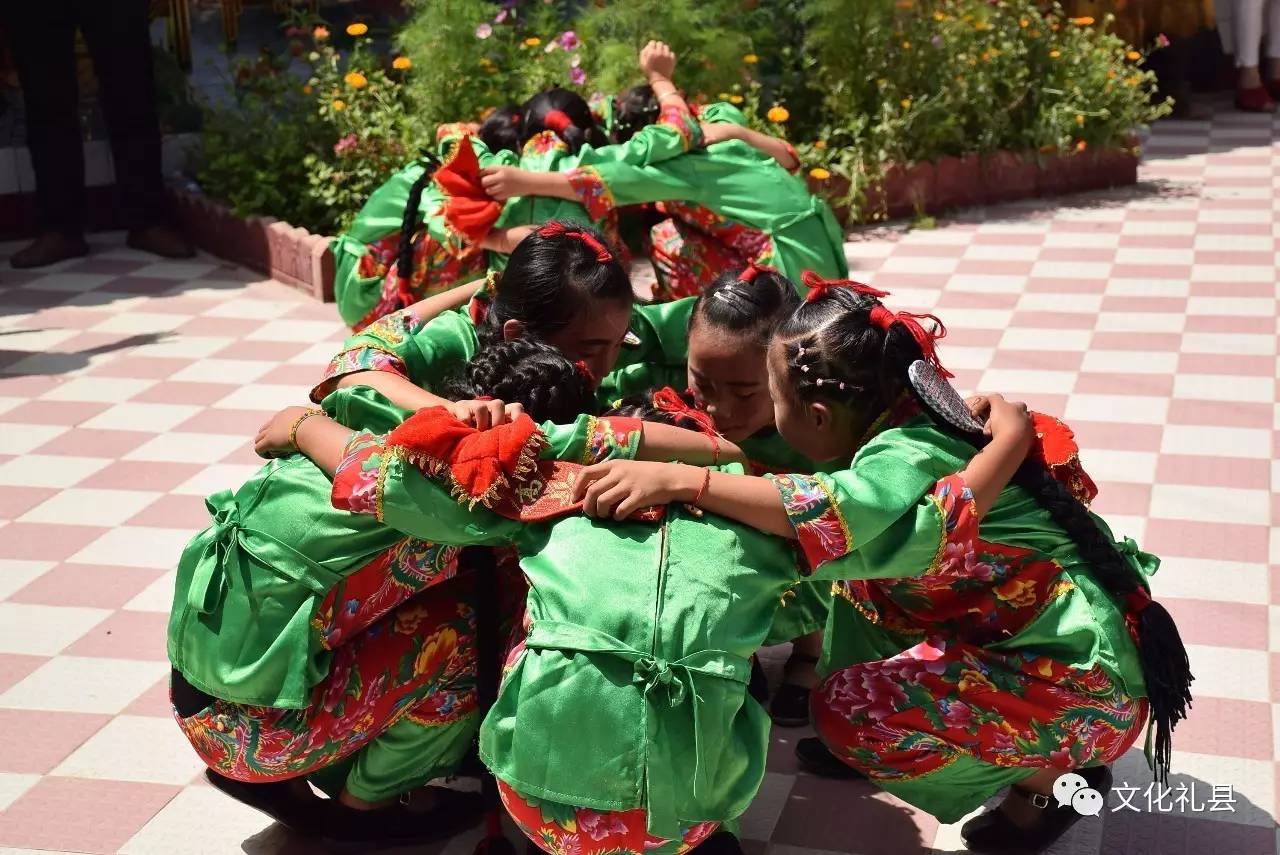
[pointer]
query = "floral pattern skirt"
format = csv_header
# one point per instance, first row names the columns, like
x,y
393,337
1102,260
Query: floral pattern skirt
x,y
566,830
417,664
904,721
435,269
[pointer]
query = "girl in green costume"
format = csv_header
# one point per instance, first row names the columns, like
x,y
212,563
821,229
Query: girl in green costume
x,y
448,247
729,203
307,641
983,639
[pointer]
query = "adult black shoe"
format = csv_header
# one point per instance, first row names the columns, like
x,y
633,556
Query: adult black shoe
x,y
993,832
816,759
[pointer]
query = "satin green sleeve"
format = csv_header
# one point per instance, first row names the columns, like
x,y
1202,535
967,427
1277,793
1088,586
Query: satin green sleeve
x,y
424,353
722,112
674,133
878,518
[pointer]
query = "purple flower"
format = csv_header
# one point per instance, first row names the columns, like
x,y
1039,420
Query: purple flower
x,y
569,40
936,41
484,31
577,76
344,145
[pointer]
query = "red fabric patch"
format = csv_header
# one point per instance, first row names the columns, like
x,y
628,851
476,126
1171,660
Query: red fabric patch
x,y
1056,448
469,212
477,462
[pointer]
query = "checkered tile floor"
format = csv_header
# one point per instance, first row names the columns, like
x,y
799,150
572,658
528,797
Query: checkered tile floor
x,y
129,389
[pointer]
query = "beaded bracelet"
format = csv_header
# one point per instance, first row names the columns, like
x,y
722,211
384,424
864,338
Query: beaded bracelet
x,y
297,423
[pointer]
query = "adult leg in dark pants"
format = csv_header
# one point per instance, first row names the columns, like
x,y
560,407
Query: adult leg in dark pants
x,y
118,40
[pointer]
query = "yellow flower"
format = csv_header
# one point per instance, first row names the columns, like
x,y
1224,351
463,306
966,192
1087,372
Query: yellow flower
x,y
357,29
1132,81
1017,592
356,80
1082,145
1133,56
819,173
1080,119
974,681
778,114
735,99
320,33
1111,75
1035,34
1055,53
820,144
402,63
882,82
906,103
939,16
339,105
986,56
532,41
1024,23
723,96
906,45
1086,21
306,90
751,59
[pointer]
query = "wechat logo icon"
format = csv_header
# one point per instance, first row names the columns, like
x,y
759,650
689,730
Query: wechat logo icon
x,y
1072,789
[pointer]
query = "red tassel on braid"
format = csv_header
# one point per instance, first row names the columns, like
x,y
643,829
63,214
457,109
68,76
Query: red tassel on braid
x,y
581,365
927,340
819,287
557,120
669,401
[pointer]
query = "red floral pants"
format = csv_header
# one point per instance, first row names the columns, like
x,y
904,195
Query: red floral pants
x,y
565,830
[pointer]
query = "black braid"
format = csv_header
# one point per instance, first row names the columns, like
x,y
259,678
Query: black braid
x,y
527,372
641,407
409,223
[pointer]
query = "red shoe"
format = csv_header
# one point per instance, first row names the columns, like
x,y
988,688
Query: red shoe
x,y
1255,100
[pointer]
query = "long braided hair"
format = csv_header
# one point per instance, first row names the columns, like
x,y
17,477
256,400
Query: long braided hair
x,y
409,225
844,346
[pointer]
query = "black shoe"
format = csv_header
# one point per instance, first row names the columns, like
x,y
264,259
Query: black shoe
x,y
758,687
816,759
790,706
453,812
49,248
277,799
720,843
993,832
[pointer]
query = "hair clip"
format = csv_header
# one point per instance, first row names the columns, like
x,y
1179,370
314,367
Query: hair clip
x,y
800,352
805,369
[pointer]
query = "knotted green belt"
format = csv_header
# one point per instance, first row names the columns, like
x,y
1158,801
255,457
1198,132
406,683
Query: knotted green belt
x,y
227,539
665,685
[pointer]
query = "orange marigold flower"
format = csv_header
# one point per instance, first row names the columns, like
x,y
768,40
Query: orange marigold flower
x,y
357,29
320,33
1085,21
532,41
356,80
778,114
751,59
1133,56
1055,53
1082,145
402,63
339,104
819,173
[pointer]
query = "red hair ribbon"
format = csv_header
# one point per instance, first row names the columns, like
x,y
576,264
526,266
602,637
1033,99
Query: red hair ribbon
x,y
557,120
819,287
884,319
515,117
581,365
669,401
603,255
752,270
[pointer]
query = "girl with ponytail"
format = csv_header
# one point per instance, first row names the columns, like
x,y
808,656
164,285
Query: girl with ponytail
x,y
989,632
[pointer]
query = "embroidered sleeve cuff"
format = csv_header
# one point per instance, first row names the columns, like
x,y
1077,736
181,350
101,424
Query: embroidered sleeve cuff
x,y
357,359
684,123
452,129
959,515
357,482
593,194
821,531
611,437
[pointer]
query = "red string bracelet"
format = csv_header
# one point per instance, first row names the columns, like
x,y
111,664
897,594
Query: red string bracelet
x,y
706,482
715,449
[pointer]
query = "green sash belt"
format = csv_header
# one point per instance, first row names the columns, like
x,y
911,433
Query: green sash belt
x,y
228,539
665,686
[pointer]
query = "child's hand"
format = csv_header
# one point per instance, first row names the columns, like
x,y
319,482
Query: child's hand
x,y
504,182
619,488
714,132
657,60
483,415
1004,419
273,437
